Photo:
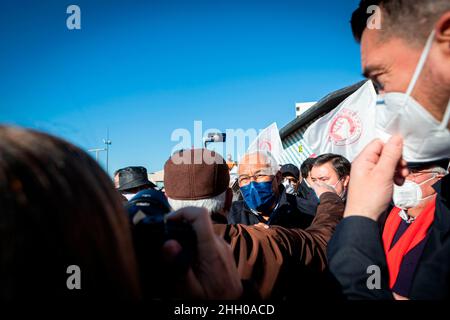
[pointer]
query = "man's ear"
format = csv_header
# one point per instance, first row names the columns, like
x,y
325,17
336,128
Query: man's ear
x,y
228,200
443,32
277,182
346,181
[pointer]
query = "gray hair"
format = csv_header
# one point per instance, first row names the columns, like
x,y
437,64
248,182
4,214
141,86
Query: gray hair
x,y
264,157
213,205
439,170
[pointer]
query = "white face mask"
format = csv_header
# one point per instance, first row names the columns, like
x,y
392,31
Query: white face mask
x,y
425,139
409,194
129,195
343,193
289,186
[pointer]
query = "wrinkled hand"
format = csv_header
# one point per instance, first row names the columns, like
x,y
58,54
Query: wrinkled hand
x,y
214,274
321,187
372,178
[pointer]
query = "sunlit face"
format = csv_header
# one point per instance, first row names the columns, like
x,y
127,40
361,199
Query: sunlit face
x,y
327,174
255,167
390,63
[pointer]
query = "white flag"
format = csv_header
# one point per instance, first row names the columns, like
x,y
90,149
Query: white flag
x,y
268,140
348,128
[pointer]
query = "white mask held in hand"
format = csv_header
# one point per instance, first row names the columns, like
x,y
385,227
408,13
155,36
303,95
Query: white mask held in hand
x,y
425,138
409,194
342,194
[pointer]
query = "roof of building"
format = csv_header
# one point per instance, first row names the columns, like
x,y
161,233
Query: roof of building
x,y
323,106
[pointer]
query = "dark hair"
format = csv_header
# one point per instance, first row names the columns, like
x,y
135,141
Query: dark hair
x,y
340,164
58,208
306,166
411,20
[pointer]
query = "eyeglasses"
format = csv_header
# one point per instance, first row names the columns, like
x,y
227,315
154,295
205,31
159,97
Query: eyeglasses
x,y
260,177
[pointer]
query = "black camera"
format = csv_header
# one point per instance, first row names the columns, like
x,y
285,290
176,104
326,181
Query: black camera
x,y
147,212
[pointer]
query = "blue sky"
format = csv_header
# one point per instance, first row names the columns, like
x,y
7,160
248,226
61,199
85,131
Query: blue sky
x,y
145,68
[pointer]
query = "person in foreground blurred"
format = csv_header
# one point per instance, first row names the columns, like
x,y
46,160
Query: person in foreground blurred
x,y
410,53
203,183
265,198
58,209
132,180
334,170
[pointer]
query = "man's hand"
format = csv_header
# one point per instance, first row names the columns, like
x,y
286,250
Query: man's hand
x,y
214,275
321,187
372,178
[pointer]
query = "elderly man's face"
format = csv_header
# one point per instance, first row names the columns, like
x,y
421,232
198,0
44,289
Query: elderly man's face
x,y
390,64
426,178
255,167
327,174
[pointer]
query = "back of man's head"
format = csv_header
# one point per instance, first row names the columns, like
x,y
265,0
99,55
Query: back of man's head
x,y
199,178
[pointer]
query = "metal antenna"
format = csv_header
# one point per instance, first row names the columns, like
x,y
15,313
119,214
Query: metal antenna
x,y
107,143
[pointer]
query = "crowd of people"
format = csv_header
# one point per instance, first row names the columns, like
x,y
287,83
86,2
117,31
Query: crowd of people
x,y
375,228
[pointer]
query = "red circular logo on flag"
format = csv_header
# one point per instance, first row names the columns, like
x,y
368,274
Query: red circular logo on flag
x,y
345,128
265,145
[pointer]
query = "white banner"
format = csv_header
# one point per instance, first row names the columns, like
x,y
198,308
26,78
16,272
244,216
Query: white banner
x,y
348,128
268,140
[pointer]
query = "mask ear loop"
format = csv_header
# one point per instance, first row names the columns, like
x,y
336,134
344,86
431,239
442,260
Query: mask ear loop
x,y
446,118
418,71
421,63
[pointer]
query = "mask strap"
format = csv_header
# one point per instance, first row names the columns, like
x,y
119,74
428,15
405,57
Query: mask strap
x,y
432,195
433,177
421,64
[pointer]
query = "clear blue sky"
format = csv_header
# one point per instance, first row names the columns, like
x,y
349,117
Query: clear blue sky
x,y
145,68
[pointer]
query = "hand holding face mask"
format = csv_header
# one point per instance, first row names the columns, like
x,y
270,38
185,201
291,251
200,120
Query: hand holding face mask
x,y
321,187
289,186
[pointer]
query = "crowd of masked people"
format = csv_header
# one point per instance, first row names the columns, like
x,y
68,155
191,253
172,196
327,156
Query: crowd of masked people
x,y
375,228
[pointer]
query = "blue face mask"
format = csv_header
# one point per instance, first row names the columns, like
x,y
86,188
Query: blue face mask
x,y
258,195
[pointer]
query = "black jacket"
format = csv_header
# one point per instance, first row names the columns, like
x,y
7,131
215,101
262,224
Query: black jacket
x,y
307,200
357,244
287,214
